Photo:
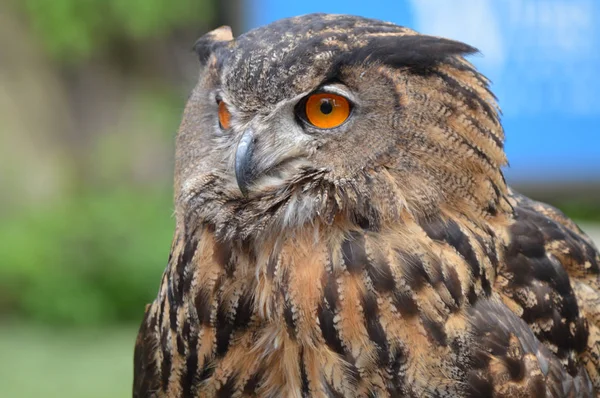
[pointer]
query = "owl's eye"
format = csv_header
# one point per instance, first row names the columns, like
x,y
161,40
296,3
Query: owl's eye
x,y
224,116
326,110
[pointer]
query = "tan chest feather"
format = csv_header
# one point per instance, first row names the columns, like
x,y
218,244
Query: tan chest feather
x,y
351,314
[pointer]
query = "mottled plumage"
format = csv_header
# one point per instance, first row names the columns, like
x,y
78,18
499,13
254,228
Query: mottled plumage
x,y
385,257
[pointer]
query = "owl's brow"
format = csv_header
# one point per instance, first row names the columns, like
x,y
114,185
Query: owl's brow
x,y
335,87
415,52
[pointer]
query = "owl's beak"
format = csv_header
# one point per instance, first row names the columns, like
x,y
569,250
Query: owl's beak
x,y
245,170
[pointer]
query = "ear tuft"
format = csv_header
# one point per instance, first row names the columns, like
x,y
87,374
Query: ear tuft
x,y
211,41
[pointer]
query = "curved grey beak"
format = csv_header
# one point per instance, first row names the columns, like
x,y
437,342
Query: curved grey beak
x,y
245,170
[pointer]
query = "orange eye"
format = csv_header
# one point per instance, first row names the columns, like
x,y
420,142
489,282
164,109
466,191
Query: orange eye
x,y
327,110
224,116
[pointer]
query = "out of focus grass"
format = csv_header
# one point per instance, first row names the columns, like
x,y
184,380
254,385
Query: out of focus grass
x,y
65,363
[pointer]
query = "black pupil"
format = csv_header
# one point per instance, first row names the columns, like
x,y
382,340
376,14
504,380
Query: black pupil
x,y
326,107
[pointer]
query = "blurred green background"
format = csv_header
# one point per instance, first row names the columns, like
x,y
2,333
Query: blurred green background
x,y
91,93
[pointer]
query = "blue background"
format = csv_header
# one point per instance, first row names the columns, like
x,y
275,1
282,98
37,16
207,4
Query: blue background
x,y
543,57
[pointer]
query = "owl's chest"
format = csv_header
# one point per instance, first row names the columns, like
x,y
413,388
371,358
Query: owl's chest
x,y
350,316
298,326
267,328
303,339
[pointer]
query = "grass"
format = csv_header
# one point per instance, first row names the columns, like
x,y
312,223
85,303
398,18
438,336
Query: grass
x,y
36,361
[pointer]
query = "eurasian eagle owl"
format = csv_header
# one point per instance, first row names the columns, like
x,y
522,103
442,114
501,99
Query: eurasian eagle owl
x,y
344,229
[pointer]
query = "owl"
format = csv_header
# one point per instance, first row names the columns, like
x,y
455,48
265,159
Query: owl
x,y
344,229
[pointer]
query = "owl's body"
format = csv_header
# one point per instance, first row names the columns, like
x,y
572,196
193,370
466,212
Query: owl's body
x,y
381,257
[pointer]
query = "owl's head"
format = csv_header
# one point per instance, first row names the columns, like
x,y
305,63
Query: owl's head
x,y
332,119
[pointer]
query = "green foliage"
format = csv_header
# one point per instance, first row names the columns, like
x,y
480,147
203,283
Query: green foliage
x,y
72,29
93,259
96,254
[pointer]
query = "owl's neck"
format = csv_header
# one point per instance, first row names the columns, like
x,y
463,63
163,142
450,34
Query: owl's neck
x,y
450,253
